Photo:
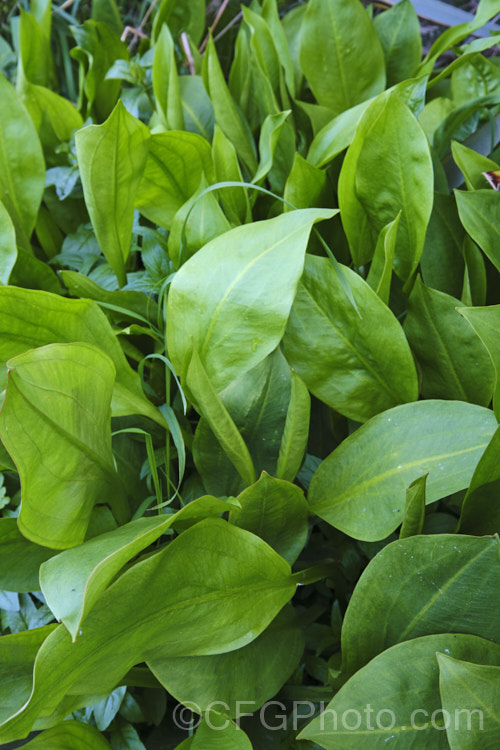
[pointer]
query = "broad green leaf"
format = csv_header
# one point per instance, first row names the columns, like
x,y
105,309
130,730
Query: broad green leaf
x,y
213,573
472,165
486,323
481,509
380,274
239,314
272,127
235,200
106,710
388,141
175,165
442,262
20,559
258,402
358,365
198,221
474,690
414,516
36,63
196,106
263,47
336,135
22,168
453,361
306,185
217,416
419,586
218,733
227,114
166,82
98,49
8,249
70,735
17,654
276,511
73,581
361,490
49,319
271,16
296,431
256,671
55,423
399,32
379,705
340,54
106,11
111,158
479,212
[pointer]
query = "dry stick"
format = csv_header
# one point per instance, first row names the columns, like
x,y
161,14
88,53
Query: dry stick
x,y
229,25
217,18
187,52
66,4
138,32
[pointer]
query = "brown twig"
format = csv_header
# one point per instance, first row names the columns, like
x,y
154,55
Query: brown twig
x,y
187,52
217,18
66,4
138,32
231,23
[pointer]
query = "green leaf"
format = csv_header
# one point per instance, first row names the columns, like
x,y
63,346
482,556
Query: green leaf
x,y
70,735
17,654
22,169
376,704
388,140
230,579
306,185
55,423
336,135
238,317
473,689
47,319
442,262
8,249
111,158
361,490
256,671
106,11
217,416
166,82
399,32
227,114
486,323
36,63
218,733
358,365
20,559
480,509
340,54
380,274
276,511
479,212
413,520
175,165
73,580
235,202
472,165
258,403
294,441
196,106
453,361
270,133
419,586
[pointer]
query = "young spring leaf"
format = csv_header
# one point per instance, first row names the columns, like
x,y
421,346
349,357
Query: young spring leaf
x,y
55,422
361,489
112,157
166,82
239,314
340,356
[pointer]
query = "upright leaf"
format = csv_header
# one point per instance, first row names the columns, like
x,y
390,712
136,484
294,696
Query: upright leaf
x,y
8,249
380,274
295,434
111,158
414,517
358,365
240,313
486,323
22,168
55,422
234,200
361,490
399,32
481,508
166,82
340,54
479,212
453,361
388,141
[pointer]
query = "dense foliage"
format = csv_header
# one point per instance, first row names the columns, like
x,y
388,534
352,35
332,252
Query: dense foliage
x,y
249,344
